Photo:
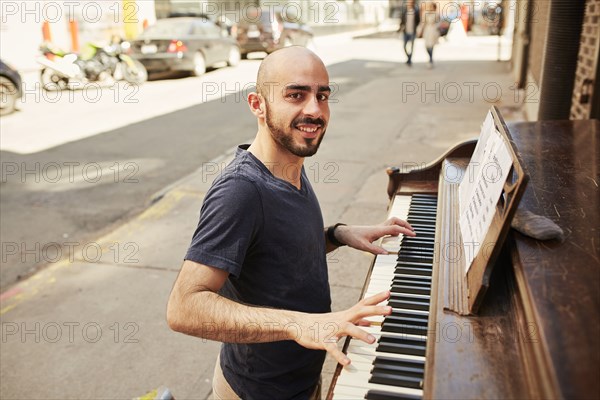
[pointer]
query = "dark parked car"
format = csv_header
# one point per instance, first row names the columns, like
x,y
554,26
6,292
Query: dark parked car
x,y
11,88
269,29
185,44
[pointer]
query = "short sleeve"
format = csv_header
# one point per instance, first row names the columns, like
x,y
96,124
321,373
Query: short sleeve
x,y
229,220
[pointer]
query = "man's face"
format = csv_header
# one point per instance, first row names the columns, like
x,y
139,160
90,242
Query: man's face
x,y
297,112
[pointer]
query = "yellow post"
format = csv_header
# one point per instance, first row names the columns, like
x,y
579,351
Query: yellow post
x,y
130,19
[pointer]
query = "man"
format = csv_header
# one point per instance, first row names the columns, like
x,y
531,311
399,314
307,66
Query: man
x,y
255,276
410,19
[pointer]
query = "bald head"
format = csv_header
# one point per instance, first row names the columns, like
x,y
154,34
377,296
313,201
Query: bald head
x,y
280,67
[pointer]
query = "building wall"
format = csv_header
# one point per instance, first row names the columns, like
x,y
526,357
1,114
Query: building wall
x,y
587,63
539,27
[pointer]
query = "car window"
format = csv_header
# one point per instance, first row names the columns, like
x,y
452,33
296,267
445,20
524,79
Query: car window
x,y
198,29
168,27
206,29
213,30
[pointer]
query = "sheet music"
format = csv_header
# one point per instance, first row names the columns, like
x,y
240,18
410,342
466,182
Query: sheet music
x,y
478,197
467,184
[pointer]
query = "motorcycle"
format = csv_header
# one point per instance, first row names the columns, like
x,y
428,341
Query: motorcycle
x,y
64,70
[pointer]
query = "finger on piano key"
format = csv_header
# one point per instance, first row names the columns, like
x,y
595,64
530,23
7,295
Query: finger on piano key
x,y
399,209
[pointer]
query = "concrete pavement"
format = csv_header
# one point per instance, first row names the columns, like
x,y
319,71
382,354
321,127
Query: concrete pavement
x,y
93,326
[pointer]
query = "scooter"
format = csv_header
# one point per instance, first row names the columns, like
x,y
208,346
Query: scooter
x,y
64,70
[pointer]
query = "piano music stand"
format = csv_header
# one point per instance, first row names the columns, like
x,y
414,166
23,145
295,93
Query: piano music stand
x,y
463,293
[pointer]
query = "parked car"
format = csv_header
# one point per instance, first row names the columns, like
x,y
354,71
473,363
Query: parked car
x,y
11,88
184,44
269,29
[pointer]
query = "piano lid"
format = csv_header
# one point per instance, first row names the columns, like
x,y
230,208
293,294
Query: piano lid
x,y
560,281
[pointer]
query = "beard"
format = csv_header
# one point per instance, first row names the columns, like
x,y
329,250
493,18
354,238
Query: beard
x,y
286,139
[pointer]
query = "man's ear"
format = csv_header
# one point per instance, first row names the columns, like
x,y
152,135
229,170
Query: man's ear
x,y
256,104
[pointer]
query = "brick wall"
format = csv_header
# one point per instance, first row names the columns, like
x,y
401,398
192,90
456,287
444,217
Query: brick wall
x,y
587,61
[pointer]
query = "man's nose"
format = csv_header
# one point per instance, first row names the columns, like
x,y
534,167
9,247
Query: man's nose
x,y
312,107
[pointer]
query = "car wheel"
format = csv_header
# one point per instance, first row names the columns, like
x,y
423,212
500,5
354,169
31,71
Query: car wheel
x,y
234,56
199,64
8,96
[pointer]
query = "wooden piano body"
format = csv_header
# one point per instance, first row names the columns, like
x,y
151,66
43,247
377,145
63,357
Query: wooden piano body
x,y
537,331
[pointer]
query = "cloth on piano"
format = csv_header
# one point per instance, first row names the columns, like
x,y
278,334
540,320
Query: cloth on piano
x,y
536,226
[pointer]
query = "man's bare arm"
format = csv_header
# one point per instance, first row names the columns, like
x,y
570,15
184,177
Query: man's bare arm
x,y
196,309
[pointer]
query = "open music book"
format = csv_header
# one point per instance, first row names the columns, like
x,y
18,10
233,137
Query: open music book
x,y
481,187
484,202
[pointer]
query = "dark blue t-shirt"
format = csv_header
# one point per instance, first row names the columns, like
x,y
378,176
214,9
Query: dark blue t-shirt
x,y
269,236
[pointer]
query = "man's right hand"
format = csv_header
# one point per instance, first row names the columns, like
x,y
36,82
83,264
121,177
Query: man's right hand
x,y
323,331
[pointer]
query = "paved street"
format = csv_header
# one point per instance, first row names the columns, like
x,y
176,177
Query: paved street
x,y
91,324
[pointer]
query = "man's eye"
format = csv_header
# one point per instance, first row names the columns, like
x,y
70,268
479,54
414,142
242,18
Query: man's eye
x,y
323,97
295,96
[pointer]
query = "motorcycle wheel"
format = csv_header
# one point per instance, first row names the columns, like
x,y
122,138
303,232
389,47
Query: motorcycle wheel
x,y
52,81
135,74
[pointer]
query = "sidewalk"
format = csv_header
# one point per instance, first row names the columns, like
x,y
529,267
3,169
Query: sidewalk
x,y
94,326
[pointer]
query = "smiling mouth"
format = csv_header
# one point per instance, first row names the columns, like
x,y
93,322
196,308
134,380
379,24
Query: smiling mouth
x,y
308,129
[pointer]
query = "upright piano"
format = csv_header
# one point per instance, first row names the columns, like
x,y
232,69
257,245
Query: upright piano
x,y
536,331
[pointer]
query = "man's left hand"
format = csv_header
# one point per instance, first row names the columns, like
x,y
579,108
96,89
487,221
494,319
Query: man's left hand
x,y
362,237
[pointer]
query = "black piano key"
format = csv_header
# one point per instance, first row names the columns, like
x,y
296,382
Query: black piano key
x,y
423,202
417,243
413,271
383,395
420,213
412,250
413,254
423,226
409,303
415,258
404,328
389,344
413,264
415,248
399,317
420,219
418,239
383,361
391,379
404,281
411,289
430,228
399,369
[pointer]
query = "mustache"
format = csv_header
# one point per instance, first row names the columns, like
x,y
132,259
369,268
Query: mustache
x,y
308,120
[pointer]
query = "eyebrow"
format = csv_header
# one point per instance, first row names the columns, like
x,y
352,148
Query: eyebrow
x,y
307,88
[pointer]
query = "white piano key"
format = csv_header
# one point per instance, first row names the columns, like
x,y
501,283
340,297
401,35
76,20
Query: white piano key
x,y
369,350
377,332
347,392
353,380
347,382
399,209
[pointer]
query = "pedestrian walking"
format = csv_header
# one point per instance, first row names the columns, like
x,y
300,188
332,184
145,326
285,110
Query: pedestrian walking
x,y
410,19
255,275
431,29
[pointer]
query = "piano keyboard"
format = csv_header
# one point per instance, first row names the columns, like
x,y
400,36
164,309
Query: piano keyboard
x,y
393,367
